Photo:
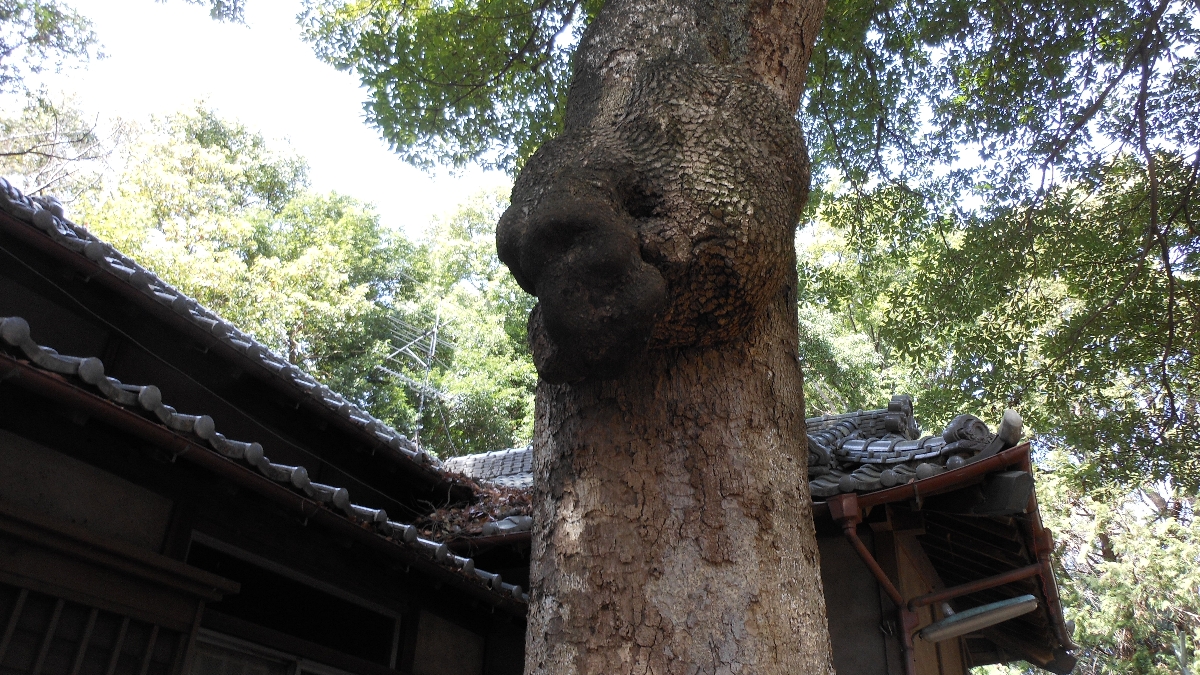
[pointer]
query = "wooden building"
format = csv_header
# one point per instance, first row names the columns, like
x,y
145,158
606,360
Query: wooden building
x,y
175,499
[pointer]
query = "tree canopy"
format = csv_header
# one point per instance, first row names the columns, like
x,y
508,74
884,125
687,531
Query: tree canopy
x,y
219,212
1020,202
1013,186
480,80
40,34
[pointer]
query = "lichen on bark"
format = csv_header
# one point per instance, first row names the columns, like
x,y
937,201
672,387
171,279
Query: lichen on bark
x,y
673,528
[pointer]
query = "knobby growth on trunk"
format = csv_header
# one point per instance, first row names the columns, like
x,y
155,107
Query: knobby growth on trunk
x,y
673,527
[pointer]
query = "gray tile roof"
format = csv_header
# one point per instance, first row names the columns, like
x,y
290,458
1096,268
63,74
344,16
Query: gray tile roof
x,y
897,418
860,451
47,215
876,449
88,373
509,468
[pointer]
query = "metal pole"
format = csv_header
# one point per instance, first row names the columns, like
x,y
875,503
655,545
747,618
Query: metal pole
x,y
428,370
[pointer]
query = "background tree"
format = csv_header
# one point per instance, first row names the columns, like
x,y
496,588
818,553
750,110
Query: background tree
x,y
1130,569
222,10
213,209
1017,231
55,148
1085,500
46,144
1054,267
40,34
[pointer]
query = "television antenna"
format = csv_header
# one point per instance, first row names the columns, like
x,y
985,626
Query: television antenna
x,y
416,348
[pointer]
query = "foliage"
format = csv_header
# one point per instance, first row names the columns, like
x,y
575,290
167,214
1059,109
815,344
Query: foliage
x,y
1067,327
896,88
207,206
1062,315
214,210
841,311
1019,180
1132,586
1065,312
842,369
36,34
222,10
1128,572
1009,190
40,34
455,82
47,144
1014,183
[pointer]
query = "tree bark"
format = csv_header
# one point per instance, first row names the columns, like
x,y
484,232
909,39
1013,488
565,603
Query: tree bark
x,y
673,528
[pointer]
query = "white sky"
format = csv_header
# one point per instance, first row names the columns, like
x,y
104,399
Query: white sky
x,y
162,57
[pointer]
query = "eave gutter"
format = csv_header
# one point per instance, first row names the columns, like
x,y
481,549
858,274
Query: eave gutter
x,y
942,482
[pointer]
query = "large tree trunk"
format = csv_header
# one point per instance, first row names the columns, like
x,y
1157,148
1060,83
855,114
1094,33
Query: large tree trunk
x,y
673,529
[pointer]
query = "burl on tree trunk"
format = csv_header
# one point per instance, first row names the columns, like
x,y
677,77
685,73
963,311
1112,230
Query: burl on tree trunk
x,y
673,528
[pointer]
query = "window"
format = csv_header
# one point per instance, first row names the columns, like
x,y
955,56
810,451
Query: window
x,y
217,654
272,600
211,659
41,633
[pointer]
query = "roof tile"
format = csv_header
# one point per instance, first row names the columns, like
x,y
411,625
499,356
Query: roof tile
x,y
15,337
